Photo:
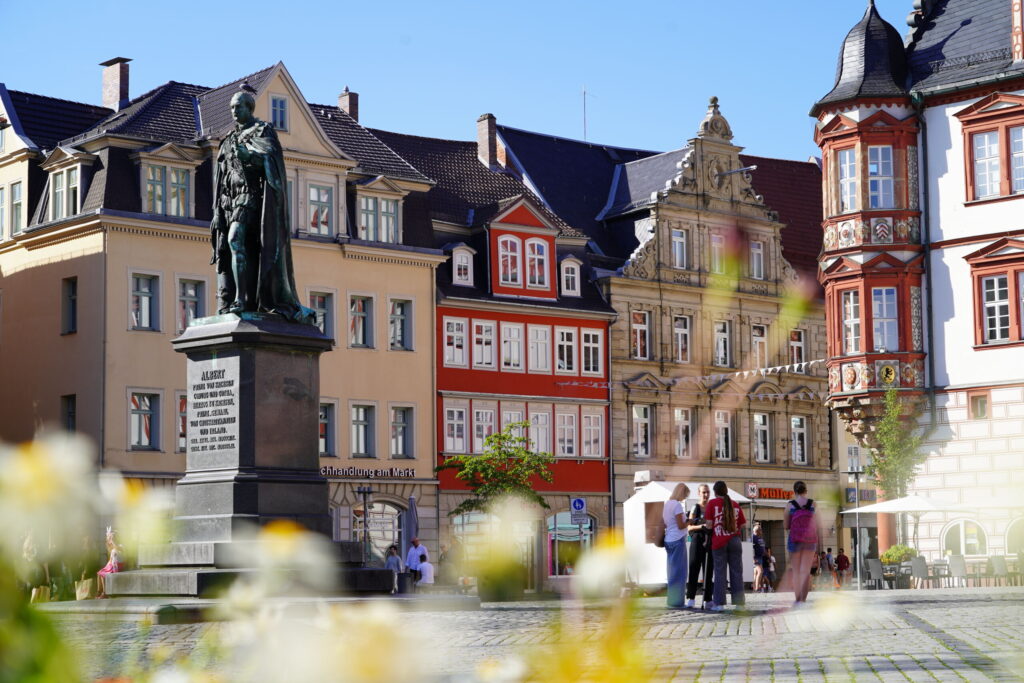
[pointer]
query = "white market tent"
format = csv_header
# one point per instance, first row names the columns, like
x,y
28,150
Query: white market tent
x,y
646,566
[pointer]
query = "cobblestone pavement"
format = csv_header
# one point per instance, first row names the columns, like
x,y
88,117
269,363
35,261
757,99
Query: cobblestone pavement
x,y
972,634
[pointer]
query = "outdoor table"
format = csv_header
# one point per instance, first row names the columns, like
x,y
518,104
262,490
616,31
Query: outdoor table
x,y
940,570
898,574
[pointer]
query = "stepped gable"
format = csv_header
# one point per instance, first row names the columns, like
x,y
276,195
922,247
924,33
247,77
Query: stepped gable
x,y
871,63
373,155
48,120
960,42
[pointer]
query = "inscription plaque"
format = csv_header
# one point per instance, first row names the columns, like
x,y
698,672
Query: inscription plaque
x,y
213,396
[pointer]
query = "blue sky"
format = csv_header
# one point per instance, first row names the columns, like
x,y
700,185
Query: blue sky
x,y
430,68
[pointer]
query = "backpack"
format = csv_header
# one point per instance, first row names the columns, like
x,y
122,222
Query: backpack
x,y
802,528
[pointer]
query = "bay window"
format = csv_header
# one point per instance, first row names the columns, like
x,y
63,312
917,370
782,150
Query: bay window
x,y
851,322
885,328
880,177
847,165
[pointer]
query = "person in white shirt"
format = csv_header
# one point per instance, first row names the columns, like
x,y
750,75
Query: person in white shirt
x,y
412,558
674,517
426,571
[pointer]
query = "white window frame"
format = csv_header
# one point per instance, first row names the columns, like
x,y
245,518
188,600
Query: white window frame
x,y
326,315
510,252
156,418
681,338
512,416
180,421
455,429
570,278
724,441
797,347
591,351
177,196
641,423
462,257
799,445
512,359
718,254
885,319
370,435
679,239
327,417
985,151
485,330
846,163
759,345
850,303
540,430
17,200
762,437
73,181
455,356
408,427
483,427
3,211
592,433
1017,159
58,201
996,302
372,219
274,101
199,299
152,203
640,334
757,260
682,423
406,319
566,441
537,258
154,300
565,351
317,203
881,192
723,343
540,349
369,323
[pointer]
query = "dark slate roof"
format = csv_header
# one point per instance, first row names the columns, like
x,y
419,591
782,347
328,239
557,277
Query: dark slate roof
x,y
466,192
373,155
962,41
571,176
166,113
634,183
215,103
48,120
871,63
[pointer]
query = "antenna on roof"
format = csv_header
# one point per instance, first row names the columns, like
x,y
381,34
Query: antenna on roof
x,y
585,95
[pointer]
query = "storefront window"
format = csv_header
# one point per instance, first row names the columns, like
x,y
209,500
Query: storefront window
x,y
384,527
964,538
566,542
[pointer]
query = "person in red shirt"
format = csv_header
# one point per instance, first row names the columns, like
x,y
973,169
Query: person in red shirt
x,y
727,519
842,565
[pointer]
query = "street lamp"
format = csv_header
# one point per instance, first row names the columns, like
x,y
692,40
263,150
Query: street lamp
x,y
853,474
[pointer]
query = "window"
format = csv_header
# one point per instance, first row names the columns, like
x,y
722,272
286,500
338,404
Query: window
x,y
455,430
851,322
757,260
483,344
977,405
57,200
463,268
511,347
144,302
1017,159
378,219
401,432
279,112
565,350
723,353
190,302
536,263
565,424
3,211
17,224
997,308
144,421
483,427
72,176
880,178
69,412
454,342
847,180
69,305
592,355
177,204
681,417
360,330
717,254
883,315
362,431
540,432
540,349
762,439
156,179
759,342
400,325
965,537
592,435
723,435
796,347
681,338
986,164
567,542
640,335
508,261
798,439
322,304
321,201
993,139
679,248
182,423
326,429
570,279
512,417
641,431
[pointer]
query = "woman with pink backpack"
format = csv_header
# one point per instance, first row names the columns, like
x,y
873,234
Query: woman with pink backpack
x,y
802,543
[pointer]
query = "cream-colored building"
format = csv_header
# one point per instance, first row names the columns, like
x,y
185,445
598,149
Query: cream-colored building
x,y
112,258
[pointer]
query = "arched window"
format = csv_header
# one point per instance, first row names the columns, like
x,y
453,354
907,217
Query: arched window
x,y
508,260
537,263
566,542
1015,539
964,537
384,527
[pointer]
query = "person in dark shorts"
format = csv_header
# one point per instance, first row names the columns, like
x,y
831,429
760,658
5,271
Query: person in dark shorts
x,y
700,549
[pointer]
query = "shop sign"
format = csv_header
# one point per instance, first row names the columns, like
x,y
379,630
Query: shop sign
x,y
866,495
367,473
769,492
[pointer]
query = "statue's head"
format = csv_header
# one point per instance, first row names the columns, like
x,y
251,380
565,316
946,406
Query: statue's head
x,y
242,106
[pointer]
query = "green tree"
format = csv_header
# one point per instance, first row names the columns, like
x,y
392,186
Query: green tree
x,y
506,468
898,452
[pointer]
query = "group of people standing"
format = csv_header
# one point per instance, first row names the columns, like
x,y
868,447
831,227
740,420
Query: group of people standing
x,y
417,563
713,526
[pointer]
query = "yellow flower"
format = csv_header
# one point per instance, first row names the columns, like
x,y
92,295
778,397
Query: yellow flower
x,y
601,572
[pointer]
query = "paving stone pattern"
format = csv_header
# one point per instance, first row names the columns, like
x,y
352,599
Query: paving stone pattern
x,y
970,634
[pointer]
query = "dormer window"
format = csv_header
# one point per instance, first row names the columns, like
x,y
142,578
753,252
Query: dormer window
x,y
279,112
378,219
509,254
167,190
462,267
570,278
537,263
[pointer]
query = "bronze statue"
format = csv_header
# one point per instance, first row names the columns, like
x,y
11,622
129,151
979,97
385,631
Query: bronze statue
x,y
250,228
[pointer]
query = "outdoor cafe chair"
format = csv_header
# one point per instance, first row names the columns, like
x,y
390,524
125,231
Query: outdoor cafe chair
x,y
876,574
958,569
996,570
919,570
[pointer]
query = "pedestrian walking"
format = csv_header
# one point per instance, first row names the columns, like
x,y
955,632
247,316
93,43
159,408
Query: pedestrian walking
x,y
803,539
757,540
412,558
674,516
727,519
842,567
700,549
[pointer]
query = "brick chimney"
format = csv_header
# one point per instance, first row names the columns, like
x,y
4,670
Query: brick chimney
x,y
115,82
487,140
349,103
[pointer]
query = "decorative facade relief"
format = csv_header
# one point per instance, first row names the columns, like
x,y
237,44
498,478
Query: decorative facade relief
x,y
913,374
912,175
835,382
887,373
916,335
831,238
908,230
867,376
881,230
851,373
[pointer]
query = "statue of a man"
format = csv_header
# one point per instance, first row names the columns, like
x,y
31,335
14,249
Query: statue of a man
x,y
250,228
